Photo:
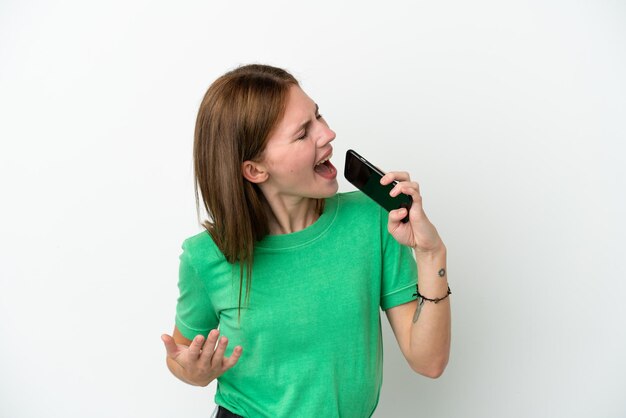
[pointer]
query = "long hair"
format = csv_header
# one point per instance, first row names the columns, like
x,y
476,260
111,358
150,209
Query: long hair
x,y
236,116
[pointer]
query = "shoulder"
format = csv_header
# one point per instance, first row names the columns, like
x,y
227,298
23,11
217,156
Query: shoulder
x,y
357,201
358,210
201,249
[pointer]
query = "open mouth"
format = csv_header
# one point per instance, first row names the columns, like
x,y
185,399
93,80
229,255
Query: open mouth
x,y
326,169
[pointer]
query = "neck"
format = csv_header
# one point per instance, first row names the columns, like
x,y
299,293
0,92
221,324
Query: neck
x,y
288,215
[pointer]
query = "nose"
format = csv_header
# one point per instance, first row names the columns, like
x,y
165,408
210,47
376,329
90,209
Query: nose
x,y
327,135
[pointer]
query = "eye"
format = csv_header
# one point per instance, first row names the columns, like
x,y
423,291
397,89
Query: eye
x,y
318,117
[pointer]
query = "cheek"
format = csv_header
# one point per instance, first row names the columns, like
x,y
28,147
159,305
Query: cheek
x,y
284,169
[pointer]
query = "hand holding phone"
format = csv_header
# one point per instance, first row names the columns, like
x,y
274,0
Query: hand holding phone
x,y
366,177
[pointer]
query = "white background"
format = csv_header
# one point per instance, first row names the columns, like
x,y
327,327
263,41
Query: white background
x,y
510,115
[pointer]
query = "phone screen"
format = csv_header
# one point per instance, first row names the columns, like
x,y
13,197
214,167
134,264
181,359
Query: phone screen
x,y
366,177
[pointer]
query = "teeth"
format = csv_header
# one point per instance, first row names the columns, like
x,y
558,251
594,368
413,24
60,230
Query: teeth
x,y
323,161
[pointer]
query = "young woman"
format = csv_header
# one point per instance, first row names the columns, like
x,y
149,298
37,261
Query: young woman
x,y
292,272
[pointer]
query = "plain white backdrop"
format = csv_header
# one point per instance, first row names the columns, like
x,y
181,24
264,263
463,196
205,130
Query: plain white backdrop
x,y
511,116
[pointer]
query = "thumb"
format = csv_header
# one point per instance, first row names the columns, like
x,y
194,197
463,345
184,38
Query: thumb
x,y
170,345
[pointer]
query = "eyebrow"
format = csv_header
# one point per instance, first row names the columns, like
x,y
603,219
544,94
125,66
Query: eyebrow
x,y
304,125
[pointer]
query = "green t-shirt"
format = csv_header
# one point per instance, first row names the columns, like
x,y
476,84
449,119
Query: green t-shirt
x,y
311,334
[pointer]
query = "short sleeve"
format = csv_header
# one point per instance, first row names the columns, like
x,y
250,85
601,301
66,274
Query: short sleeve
x,y
399,270
194,311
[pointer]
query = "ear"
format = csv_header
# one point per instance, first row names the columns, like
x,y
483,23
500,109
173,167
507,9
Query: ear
x,y
254,172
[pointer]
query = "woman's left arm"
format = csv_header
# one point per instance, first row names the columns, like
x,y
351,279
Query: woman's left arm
x,y
421,327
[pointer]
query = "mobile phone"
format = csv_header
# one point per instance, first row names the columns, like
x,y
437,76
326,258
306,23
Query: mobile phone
x,y
366,177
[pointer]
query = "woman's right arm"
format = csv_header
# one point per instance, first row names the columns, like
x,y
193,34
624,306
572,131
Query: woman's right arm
x,y
198,362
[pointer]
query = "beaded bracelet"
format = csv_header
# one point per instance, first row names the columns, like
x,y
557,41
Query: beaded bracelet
x,y
423,298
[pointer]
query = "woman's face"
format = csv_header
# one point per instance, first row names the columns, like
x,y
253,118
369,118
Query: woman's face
x,y
297,144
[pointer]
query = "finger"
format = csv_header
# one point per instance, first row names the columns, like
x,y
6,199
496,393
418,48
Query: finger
x,y
397,189
170,345
195,348
233,359
395,220
395,176
218,356
395,216
411,189
209,345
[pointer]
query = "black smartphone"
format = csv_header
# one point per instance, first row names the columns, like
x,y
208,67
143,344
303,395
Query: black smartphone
x,y
366,177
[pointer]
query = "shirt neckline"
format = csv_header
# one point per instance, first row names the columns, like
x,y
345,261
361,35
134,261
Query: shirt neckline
x,y
304,236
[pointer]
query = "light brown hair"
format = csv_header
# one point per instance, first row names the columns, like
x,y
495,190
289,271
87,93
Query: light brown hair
x,y
236,117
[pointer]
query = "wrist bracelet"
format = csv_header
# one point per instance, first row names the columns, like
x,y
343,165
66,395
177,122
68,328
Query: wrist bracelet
x,y
423,298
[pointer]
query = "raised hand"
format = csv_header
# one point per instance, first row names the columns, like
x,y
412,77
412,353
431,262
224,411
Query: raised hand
x,y
201,362
418,233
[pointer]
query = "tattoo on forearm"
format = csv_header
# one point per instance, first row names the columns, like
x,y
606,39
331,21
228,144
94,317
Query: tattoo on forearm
x,y
418,309
420,301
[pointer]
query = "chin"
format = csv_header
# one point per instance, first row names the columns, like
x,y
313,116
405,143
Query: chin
x,y
332,190
326,193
